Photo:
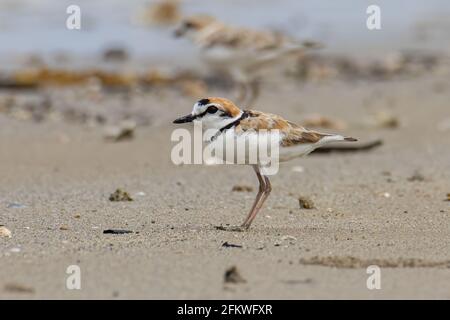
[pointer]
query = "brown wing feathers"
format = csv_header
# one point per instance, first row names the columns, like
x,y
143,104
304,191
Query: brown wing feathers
x,y
293,133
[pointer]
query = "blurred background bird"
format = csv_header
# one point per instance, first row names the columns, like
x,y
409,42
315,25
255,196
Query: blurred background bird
x,y
238,51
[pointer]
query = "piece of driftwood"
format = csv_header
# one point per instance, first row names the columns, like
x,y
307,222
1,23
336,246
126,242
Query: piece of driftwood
x,y
350,147
11,85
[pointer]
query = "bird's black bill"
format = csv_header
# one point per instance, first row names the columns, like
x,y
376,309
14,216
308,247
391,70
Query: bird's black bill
x,y
188,118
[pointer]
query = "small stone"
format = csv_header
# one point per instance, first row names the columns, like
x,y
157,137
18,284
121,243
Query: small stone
x,y
384,119
299,169
386,195
417,176
448,197
4,232
77,216
305,203
232,275
64,227
18,288
120,195
14,205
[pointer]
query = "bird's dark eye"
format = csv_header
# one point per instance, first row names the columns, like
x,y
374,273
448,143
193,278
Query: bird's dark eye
x,y
212,109
188,25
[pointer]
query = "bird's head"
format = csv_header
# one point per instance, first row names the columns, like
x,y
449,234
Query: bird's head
x,y
215,113
191,25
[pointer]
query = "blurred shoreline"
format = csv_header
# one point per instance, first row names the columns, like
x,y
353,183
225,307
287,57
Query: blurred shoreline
x,y
38,27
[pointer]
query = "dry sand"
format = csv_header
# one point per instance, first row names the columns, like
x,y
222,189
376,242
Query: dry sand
x,y
367,209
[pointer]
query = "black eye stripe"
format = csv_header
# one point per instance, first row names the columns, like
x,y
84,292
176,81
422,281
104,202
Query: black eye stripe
x,y
212,110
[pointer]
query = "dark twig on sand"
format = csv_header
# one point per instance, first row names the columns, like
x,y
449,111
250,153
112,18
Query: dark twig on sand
x,y
116,231
226,244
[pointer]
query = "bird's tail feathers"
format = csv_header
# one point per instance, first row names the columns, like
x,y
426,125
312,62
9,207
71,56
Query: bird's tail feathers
x,y
336,138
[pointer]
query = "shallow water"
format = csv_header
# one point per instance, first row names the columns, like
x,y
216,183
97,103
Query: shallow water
x,y
38,26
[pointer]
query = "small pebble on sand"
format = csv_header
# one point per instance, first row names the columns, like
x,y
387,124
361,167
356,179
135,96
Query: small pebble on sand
x,y
417,176
232,275
14,205
120,195
241,188
305,203
5,232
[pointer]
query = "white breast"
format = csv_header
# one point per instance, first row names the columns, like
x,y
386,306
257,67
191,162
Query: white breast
x,y
246,148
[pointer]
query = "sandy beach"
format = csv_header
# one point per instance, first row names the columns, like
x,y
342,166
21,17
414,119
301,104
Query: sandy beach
x,y
387,206
367,208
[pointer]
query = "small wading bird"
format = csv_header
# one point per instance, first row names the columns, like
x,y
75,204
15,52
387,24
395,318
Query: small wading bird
x,y
238,51
222,115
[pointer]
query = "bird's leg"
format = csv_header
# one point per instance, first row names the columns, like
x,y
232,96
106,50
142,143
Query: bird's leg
x,y
263,193
254,86
243,92
248,92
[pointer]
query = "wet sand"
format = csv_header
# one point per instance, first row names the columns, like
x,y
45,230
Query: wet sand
x,y
369,206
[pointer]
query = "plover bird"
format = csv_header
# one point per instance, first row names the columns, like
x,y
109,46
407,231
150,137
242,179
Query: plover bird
x,y
238,51
223,118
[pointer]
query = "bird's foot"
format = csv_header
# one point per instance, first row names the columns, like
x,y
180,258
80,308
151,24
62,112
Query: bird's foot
x,y
232,228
